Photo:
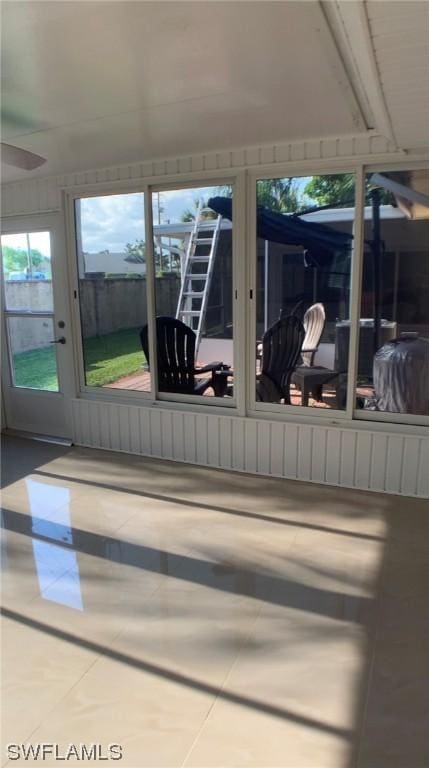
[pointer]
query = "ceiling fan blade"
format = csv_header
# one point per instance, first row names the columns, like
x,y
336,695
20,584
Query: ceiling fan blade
x,y
20,158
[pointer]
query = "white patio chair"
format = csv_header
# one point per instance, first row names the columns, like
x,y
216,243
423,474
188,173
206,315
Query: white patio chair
x,y
314,323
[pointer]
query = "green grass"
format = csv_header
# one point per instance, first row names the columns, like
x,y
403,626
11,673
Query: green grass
x,y
107,358
36,369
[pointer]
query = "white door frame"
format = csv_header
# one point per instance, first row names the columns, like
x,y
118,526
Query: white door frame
x,y
32,410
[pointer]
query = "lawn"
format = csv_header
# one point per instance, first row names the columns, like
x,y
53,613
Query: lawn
x,y
36,368
107,358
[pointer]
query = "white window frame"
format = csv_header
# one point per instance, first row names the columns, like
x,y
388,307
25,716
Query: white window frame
x,y
33,224
292,412
153,398
77,193
350,416
384,417
244,312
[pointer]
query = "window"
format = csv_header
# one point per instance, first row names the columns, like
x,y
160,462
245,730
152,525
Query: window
x,y
305,252
303,271
393,363
192,230
110,240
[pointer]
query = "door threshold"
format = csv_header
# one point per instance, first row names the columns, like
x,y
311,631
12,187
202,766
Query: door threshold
x,y
64,441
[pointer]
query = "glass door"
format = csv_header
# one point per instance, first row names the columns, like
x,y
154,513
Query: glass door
x,y
37,370
193,250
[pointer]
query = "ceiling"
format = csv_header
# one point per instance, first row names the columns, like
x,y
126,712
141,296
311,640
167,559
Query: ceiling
x,y
400,39
92,84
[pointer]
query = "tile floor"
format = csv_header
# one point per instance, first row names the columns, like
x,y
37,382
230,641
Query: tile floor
x,y
203,618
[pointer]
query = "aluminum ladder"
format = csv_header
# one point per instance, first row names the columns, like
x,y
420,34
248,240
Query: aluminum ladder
x,y
198,272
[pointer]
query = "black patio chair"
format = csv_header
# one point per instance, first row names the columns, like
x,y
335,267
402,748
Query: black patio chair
x,y
281,347
297,310
176,360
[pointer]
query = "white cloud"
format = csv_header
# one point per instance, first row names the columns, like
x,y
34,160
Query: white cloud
x,y
111,221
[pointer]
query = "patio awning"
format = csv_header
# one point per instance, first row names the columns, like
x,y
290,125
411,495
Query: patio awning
x,y
321,242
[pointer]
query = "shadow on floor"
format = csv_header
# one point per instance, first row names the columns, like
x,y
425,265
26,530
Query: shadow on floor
x,y
391,714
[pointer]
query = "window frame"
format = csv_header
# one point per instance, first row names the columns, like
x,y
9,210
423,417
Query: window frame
x,y
244,281
276,410
236,178
78,193
384,417
9,369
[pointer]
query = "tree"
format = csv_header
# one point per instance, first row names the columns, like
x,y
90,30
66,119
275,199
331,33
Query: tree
x,y
189,215
281,195
136,252
16,259
338,190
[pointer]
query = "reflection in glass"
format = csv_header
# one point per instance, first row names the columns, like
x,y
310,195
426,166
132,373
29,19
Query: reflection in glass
x,y
33,357
110,244
193,290
304,255
393,363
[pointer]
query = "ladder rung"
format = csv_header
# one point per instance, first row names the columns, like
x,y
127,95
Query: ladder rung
x,y
190,312
194,318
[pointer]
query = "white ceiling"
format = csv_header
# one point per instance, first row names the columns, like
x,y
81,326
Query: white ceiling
x,y
90,84
385,49
400,39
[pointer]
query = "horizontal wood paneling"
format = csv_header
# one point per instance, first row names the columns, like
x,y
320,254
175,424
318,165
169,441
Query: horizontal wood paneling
x,y
351,458
40,195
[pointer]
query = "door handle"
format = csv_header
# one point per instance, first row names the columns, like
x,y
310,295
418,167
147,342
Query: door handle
x,y
61,340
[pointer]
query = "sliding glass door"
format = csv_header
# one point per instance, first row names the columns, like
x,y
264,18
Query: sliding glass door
x,y
193,274
310,329
393,353
171,296
112,286
304,252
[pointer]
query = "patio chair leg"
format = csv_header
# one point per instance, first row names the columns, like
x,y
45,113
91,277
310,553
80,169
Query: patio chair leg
x,y
304,394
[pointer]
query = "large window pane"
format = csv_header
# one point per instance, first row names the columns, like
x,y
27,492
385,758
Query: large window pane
x,y
304,255
27,271
193,290
393,367
33,357
110,237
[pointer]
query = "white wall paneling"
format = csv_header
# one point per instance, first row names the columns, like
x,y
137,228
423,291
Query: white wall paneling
x,y
41,195
366,460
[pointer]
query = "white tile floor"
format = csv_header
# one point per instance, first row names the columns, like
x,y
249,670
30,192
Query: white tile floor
x,y
200,618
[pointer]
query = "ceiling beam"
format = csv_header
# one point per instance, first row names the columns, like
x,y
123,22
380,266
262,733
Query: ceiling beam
x,y
349,25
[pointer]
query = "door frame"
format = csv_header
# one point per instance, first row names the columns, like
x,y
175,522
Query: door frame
x,y
24,407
